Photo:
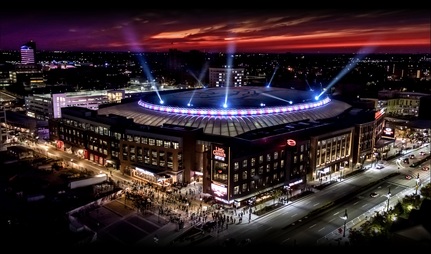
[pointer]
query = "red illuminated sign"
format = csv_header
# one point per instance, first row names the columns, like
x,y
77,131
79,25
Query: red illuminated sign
x,y
291,142
219,153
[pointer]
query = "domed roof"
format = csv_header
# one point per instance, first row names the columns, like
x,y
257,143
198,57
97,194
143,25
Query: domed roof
x,y
228,111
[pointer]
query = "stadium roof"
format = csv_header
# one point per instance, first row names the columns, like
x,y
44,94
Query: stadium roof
x,y
249,108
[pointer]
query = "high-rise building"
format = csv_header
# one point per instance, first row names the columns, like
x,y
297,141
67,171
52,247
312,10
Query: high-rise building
x,y
226,76
28,51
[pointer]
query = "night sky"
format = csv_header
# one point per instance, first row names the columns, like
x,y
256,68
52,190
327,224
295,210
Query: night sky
x,y
223,30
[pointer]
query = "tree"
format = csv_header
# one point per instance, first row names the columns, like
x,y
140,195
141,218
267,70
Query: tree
x,y
426,191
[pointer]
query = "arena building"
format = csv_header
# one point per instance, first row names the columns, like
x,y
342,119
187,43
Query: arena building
x,y
241,142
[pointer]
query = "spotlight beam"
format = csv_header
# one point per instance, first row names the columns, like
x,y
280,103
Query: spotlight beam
x,y
345,70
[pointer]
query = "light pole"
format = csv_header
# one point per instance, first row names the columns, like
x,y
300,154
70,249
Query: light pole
x,y
345,221
389,197
417,184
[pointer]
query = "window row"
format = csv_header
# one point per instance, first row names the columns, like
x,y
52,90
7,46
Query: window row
x,y
153,142
275,156
261,170
255,184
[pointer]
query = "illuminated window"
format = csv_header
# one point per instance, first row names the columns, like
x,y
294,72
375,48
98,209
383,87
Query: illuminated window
x,y
268,157
252,172
244,175
244,187
244,164
253,161
159,142
137,139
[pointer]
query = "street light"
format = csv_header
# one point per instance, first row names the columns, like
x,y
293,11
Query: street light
x,y
389,197
417,184
345,221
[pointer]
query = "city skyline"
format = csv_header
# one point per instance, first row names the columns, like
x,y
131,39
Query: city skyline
x,y
221,30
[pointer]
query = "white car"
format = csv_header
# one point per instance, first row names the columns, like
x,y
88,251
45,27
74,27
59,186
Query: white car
x,y
379,166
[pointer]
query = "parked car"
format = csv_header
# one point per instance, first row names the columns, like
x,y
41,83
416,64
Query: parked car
x,y
379,166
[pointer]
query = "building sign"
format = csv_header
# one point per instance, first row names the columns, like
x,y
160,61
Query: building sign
x,y
379,113
291,142
388,132
296,182
219,153
219,190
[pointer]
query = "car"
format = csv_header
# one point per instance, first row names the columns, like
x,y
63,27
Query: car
x,y
406,160
408,177
425,168
422,153
412,156
373,194
414,164
379,166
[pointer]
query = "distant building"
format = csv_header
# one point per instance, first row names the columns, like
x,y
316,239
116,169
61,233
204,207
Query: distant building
x,y
401,103
28,72
226,77
46,106
7,75
28,53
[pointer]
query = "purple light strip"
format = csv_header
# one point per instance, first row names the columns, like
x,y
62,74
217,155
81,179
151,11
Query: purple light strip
x,y
234,112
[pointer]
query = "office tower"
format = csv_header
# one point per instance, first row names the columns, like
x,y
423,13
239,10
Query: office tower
x,y
226,76
28,51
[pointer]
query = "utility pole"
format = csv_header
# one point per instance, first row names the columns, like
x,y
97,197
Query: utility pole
x,y
345,221
389,197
